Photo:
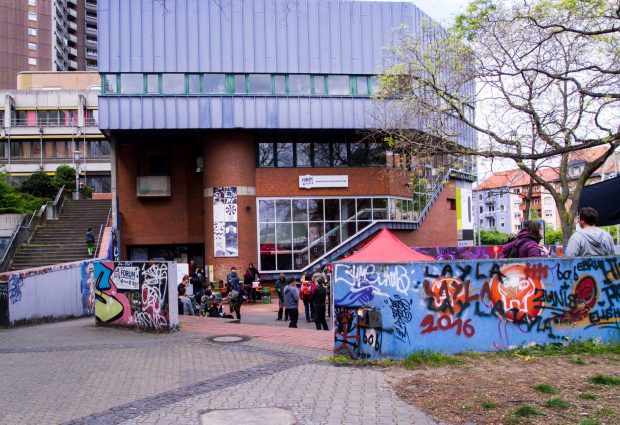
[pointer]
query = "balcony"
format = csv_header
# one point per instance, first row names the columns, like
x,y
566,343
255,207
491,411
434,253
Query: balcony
x,y
153,186
72,38
91,17
73,52
91,5
72,13
72,26
91,54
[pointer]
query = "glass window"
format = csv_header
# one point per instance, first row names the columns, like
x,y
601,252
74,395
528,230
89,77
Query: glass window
x,y
109,83
265,155
32,61
32,46
338,85
322,155
347,209
364,209
300,210
173,83
239,84
284,241
267,246
279,83
32,16
214,83
348,229
283,210
315,209
362,224
376,154
316,241
362,85
32,32
299,84
193,83
339,154
132,83
359,154
260,83
379,209
332,209
266,211
152,84
332,235
300,245
284,154
303,154
319,85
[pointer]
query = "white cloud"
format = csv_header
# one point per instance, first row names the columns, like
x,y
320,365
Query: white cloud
x,y
440,10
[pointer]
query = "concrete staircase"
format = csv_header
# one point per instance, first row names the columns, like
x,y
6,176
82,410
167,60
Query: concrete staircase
x,y
63,240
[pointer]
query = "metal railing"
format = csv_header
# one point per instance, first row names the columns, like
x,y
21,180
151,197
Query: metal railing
x,y
53,208
19,122
101,227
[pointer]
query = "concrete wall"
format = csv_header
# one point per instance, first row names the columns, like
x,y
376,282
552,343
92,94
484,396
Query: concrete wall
x,y
45,293
136,295
454,306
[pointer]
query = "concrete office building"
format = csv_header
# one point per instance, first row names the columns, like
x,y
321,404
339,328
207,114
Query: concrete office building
x,y
51,120
46,35
238,134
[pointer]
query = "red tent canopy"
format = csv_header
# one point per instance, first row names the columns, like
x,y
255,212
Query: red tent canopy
x,y
386,248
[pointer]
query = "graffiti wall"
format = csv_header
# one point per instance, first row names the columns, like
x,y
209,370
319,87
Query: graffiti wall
x,y
485,252
391,310
136,294
43,293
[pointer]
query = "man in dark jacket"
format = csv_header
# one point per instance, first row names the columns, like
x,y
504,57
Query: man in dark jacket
x,y
280,285
236,292
291,302
318,305
90,241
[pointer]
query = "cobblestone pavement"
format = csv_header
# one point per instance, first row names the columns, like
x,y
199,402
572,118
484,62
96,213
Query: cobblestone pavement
x,y
75,372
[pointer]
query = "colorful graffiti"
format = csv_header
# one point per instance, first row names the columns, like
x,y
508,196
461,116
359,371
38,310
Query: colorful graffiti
x,y
133,294
87,287
484,252
479,305
346,331
16,283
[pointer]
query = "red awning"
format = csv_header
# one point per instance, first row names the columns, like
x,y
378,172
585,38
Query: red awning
x,y
386,248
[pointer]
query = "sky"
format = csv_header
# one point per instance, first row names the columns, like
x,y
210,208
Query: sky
x,y
440,10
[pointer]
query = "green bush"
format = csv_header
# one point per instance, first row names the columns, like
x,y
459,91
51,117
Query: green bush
x,y
87,192
40,185
492,237
553,237
65,176
12,201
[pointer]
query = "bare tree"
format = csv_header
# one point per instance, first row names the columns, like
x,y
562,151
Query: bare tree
x,y
543,76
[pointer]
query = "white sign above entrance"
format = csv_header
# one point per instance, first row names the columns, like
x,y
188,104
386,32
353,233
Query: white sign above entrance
x,y
314,182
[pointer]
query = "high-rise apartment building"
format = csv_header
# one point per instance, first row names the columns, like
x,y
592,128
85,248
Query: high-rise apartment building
x,y
46,35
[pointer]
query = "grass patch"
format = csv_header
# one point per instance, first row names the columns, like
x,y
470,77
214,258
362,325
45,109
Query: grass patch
x,y
545,389
605,380
557,403
348,361
605,412
429,358
589,421
489,405
587,396
588,347
339,360
525,411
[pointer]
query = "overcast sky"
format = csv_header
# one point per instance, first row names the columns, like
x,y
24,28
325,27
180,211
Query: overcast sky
x,y
440,10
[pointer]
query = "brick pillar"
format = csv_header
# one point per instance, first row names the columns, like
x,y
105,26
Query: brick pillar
x,y
230,160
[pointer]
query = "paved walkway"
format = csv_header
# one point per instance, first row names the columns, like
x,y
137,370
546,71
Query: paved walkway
x,y
75,372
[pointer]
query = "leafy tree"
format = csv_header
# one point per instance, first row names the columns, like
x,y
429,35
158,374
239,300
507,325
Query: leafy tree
x,y
65,176
40,185
12,201
545,72
492,237
553,237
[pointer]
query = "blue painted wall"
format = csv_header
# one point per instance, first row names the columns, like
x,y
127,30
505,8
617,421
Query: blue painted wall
x,y
475,305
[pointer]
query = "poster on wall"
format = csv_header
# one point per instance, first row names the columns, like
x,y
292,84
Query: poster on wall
x,y
464,214
225,236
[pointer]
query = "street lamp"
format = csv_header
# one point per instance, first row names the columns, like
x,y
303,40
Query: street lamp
x,y
76,163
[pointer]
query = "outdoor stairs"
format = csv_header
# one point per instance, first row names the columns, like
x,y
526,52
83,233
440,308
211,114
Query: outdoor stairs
x,y
63,240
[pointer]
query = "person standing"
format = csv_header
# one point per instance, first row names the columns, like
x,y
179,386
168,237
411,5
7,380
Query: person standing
x,y
590,241
90,241
526,244
247,284
307,289
236,292
280,286
291,302
318,305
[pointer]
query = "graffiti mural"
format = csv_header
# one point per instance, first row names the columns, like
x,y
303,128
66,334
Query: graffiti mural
x,y
135,295
87,287
485,252
454,306
16,283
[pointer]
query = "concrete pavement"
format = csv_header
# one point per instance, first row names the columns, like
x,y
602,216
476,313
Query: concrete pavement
x,y
75,372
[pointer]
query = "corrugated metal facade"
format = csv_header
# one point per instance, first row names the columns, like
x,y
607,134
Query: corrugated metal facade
x,y
245,36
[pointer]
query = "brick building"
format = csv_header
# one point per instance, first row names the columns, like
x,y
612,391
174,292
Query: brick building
x,y
239,134
46,35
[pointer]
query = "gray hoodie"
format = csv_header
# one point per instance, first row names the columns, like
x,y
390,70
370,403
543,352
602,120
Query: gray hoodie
x,y
590,242
291,297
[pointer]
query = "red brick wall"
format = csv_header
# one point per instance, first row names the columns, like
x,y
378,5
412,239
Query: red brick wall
x,y
439,227
362,181
230,160
174,220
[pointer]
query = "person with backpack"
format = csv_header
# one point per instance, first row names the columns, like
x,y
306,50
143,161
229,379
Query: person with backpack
x,y
291,302
526,244
235,296
90,241
280,286
307,289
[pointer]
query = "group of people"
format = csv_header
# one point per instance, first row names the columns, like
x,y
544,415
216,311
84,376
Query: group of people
x,y
588,242
314,294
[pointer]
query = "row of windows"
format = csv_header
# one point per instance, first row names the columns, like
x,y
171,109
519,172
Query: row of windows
x,y
32,149
295,232
52,117
239,84
317,154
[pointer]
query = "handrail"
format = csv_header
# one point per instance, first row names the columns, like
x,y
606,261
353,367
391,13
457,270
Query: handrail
x,y
101,226
22,234
54,207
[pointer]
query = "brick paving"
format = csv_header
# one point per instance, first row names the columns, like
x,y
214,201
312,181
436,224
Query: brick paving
x,y
77,373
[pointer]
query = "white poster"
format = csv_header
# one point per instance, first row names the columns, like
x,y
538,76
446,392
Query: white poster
x,y
225,237
125,277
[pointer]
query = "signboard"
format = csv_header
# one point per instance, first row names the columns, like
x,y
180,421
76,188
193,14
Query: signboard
x,y
314,182
125,277
225,238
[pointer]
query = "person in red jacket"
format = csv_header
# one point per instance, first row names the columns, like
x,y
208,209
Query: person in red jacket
x,y
307,289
